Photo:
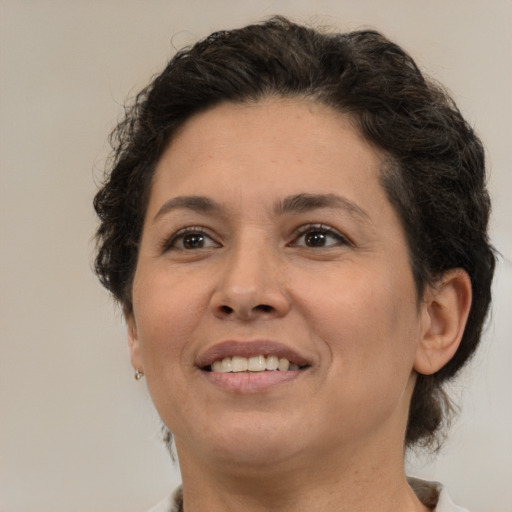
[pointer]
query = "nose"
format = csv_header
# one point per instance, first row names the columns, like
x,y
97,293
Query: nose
x,y
251,286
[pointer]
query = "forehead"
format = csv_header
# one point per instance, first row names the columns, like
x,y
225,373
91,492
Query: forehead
x,y
271,147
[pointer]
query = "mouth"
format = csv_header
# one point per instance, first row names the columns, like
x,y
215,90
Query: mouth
x,y
255,364
251,366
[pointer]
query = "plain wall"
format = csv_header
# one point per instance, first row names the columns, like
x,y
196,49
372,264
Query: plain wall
x,y
77,433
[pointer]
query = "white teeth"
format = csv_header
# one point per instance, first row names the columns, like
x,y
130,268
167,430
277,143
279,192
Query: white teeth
x,y
253,364
257,364
226,364
272,363
239,364
217,366
284,364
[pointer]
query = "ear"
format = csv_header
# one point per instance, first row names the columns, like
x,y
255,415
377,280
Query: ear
x,y
445,312
133,343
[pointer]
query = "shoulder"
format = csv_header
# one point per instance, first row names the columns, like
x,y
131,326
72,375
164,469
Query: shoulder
x,y
434,495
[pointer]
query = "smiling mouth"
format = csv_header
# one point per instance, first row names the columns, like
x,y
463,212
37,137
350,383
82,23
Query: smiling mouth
x,y
256,364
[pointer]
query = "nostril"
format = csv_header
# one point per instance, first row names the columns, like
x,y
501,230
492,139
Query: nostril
x,y
264,307
226,310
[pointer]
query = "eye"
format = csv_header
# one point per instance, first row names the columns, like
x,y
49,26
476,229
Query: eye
x,y
190,239
318,235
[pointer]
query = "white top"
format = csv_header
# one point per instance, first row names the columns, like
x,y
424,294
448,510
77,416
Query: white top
x,y
432,494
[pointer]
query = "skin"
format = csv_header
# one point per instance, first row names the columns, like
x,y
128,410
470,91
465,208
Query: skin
x,y
332,437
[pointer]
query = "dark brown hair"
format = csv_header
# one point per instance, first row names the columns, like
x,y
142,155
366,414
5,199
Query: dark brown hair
x,y
434,175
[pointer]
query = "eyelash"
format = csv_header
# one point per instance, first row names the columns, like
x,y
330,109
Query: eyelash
x,y
322,229
169,244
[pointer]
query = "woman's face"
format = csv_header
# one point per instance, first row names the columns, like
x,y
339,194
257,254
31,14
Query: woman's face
x,y
268,237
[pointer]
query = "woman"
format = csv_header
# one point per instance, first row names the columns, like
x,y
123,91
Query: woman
x,y
295,224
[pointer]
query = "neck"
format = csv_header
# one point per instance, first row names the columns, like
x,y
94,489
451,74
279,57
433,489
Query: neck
x,y
332,482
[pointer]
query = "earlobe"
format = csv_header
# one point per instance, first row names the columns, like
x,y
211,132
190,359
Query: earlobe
x,y
133,343
445,312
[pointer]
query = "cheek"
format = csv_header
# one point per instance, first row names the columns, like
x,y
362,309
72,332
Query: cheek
x,y
167,310
368,320
167,316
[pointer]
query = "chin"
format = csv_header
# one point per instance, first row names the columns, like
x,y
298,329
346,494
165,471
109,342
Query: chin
x,y
247,441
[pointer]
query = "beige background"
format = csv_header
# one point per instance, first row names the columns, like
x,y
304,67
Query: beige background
x,y
77,433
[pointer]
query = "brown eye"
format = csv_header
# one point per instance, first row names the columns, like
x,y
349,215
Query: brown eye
x,y
191,239
318,236
315,239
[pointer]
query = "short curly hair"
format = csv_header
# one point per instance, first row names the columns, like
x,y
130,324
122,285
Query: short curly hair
x,y
434,174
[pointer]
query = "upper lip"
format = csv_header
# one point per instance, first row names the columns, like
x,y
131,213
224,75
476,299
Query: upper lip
x,y
248,349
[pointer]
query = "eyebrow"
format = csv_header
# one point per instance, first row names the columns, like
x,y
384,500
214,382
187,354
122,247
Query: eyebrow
x,y
305,202
197,203
298,203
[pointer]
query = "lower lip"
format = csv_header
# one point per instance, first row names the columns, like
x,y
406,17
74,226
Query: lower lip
x,y
250,382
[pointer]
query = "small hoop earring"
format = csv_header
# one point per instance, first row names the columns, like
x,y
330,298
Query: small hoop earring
x,y
138,375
